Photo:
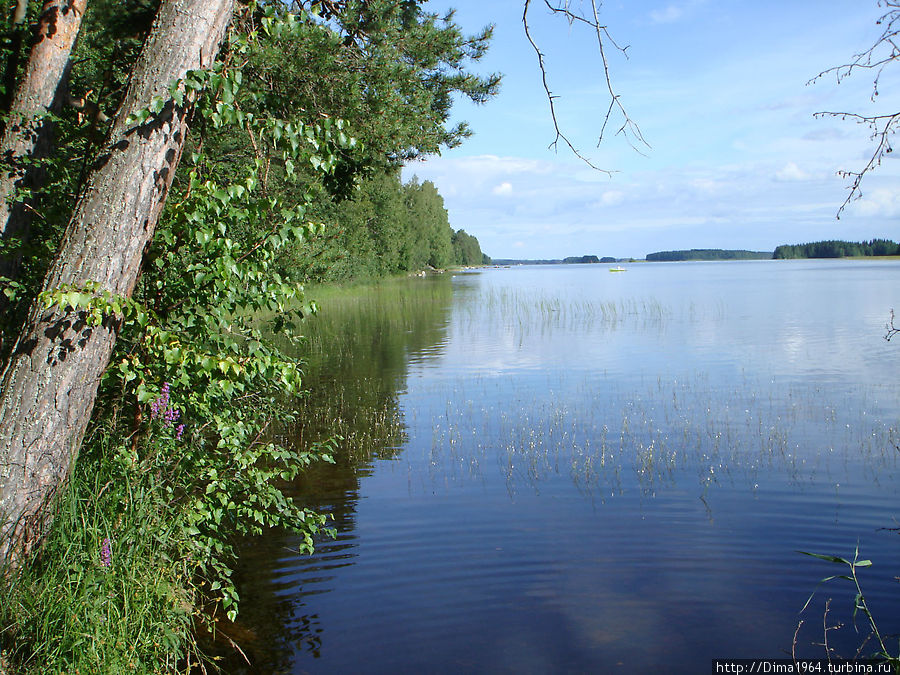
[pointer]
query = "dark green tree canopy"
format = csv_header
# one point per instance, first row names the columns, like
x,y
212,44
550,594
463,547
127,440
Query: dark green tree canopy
x,y
837,249
389,69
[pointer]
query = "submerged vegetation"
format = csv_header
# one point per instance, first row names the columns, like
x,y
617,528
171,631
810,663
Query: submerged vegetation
x,y
495,396
680,434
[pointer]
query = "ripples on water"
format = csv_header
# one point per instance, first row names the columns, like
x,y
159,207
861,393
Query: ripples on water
x,y
563,470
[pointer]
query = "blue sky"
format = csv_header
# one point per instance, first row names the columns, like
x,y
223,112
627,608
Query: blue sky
x,y
719,89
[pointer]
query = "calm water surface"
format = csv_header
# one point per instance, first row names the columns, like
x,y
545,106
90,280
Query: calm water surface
x,y
559,469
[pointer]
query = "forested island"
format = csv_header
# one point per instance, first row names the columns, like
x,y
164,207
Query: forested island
x,y
837,249
708,254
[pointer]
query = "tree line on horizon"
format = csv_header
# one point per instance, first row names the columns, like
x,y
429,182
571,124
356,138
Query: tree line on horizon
x,y
707,254
816,249
837,249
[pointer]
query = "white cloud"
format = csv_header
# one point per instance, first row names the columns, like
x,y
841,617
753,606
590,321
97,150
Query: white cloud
x,y
674,12
705,185
791,172
542,209
881,202
490,165
667,15
612,197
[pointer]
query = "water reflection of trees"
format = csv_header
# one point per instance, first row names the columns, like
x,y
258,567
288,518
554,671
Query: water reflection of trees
x,y
357,350
609,434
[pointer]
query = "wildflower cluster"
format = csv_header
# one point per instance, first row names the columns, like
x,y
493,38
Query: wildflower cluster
x,y
160,407
106,552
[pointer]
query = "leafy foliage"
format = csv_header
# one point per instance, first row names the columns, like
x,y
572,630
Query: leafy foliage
x,y
466,250
386,228
209,276
303,121
390,71
388,68
859,604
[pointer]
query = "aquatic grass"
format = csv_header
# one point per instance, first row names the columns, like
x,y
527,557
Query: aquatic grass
x,y
673,433
529,311
860,605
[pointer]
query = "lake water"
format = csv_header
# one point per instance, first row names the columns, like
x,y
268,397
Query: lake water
x,y
558,469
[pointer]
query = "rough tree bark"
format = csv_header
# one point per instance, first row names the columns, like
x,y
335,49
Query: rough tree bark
x,y
15,48
50,383
27,132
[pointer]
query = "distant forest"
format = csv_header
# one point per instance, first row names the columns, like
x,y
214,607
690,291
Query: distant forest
x,y
708,254
570,260
837,249
382,228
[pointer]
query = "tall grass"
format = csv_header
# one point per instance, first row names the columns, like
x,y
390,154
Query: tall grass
x,y
73,609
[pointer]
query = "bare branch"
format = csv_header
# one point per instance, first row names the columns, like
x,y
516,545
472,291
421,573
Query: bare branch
x,y
884,50
874,57
891,331
883,127
629,129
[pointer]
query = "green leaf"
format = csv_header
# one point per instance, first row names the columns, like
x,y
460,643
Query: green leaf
x,y
138,117
827,558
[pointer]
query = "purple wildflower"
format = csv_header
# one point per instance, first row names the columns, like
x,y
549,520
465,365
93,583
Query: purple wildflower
x,y
106,552
179,430
159,407
171,416
161,403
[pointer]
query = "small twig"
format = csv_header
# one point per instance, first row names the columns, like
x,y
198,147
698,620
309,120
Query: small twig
x,y
794,643
882,126
825,629
265,426
869,59
889,327
629,128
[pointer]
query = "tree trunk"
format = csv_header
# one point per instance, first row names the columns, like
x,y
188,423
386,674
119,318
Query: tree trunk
x,y
50,383
15,50
27,131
